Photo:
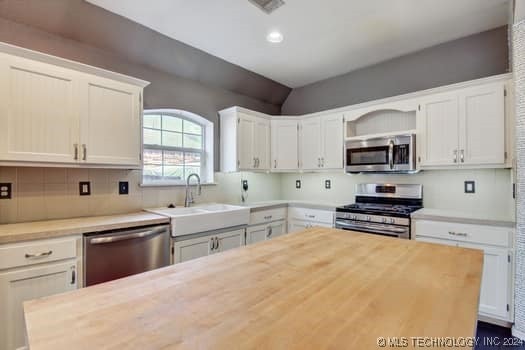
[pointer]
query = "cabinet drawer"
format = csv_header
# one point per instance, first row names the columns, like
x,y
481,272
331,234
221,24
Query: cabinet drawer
x,y
264,216
497,236
36,252
320,216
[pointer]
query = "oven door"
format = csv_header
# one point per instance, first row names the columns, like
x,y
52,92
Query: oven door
x,y
375,228
387,154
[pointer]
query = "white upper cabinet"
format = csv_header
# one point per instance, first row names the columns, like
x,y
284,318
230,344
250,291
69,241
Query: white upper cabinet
x,y
482,125
310,143
62,112
245,141
465,127
284,149
438,122
332,141
39,117
321,140
110,123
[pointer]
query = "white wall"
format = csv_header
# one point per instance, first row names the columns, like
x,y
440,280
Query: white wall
x,y
52,193
442,189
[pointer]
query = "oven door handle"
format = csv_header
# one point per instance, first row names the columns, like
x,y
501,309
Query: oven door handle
x,y
372,227
134,235
391,154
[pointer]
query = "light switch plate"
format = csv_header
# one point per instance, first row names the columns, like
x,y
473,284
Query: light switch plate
x,y
298,184
123,187
84,188
470,187
5,190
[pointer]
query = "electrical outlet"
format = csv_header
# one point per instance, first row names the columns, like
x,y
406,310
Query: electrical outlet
x,y
298,184
328,184
244,185
123,187
470,187
5,191
84,188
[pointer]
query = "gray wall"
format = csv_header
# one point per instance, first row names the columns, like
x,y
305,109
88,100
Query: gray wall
x,y
181,77
473,57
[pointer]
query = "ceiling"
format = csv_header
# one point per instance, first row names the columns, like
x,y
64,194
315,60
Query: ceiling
x,y
322,38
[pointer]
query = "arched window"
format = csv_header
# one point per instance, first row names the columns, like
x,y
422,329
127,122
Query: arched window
x,y
176,144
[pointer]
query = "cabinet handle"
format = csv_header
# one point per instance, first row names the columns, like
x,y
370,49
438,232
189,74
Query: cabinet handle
x,y
73,275
84,151
216,243
460,234
318,162
275,163
310,216
75,157
270,231
39,255
455,156
268,217
258,162
212,243
462,156
322,162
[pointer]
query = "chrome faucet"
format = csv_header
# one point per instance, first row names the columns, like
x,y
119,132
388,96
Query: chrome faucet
x,y
189,193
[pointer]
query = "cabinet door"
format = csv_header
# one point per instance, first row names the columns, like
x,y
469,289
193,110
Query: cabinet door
x,y
284,145
256,234
297,225
310,144
261,140
230,240
276,229
27,284
111,123
191,249
495,284
245,142
482,125
332,142
38,112
438,122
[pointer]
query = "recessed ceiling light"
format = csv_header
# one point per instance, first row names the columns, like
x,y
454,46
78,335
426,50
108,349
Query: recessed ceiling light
x,y
275,37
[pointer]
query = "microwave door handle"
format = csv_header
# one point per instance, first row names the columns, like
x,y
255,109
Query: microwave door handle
x,y
391,154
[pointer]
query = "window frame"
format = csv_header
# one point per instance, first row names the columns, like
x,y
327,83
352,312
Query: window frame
x,y
206,151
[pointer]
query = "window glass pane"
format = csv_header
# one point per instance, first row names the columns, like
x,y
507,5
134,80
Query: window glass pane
x,y
152,121
152,156
173,172
192,159
192,141
151,137
171,123
152,170
192,128
173,139
173,158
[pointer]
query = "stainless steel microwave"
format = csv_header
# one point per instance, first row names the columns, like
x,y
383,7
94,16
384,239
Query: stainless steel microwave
x,y
383,154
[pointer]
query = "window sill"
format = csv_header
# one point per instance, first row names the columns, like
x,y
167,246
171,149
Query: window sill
x,y
176,184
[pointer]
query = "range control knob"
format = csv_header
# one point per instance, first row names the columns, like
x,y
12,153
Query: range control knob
x,y
368,218
353,217
392,220
383,220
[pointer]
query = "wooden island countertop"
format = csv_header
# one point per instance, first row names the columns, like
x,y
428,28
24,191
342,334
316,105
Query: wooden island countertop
x,y
315,289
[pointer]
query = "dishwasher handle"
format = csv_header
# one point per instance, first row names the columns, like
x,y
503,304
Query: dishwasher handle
x,y
125,237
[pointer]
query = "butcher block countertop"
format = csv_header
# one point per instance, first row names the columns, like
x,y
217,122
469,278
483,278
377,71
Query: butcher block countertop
x,y
315,289
57,228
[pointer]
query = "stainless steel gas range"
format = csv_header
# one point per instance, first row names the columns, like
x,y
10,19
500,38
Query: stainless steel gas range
x,y
382,209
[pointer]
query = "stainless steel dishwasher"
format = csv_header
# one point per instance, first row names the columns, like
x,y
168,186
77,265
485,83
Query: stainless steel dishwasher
x,y
109,255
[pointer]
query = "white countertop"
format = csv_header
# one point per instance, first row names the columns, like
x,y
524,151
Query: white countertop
x,y
462,217
322,205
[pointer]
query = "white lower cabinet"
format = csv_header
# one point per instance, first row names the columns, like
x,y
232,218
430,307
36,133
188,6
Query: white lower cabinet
x,y
496,296
298,225
303,218
31,270
17,286
264,232
193,248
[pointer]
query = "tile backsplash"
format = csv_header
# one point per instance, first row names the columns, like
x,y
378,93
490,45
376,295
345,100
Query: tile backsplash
x,y
53,193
